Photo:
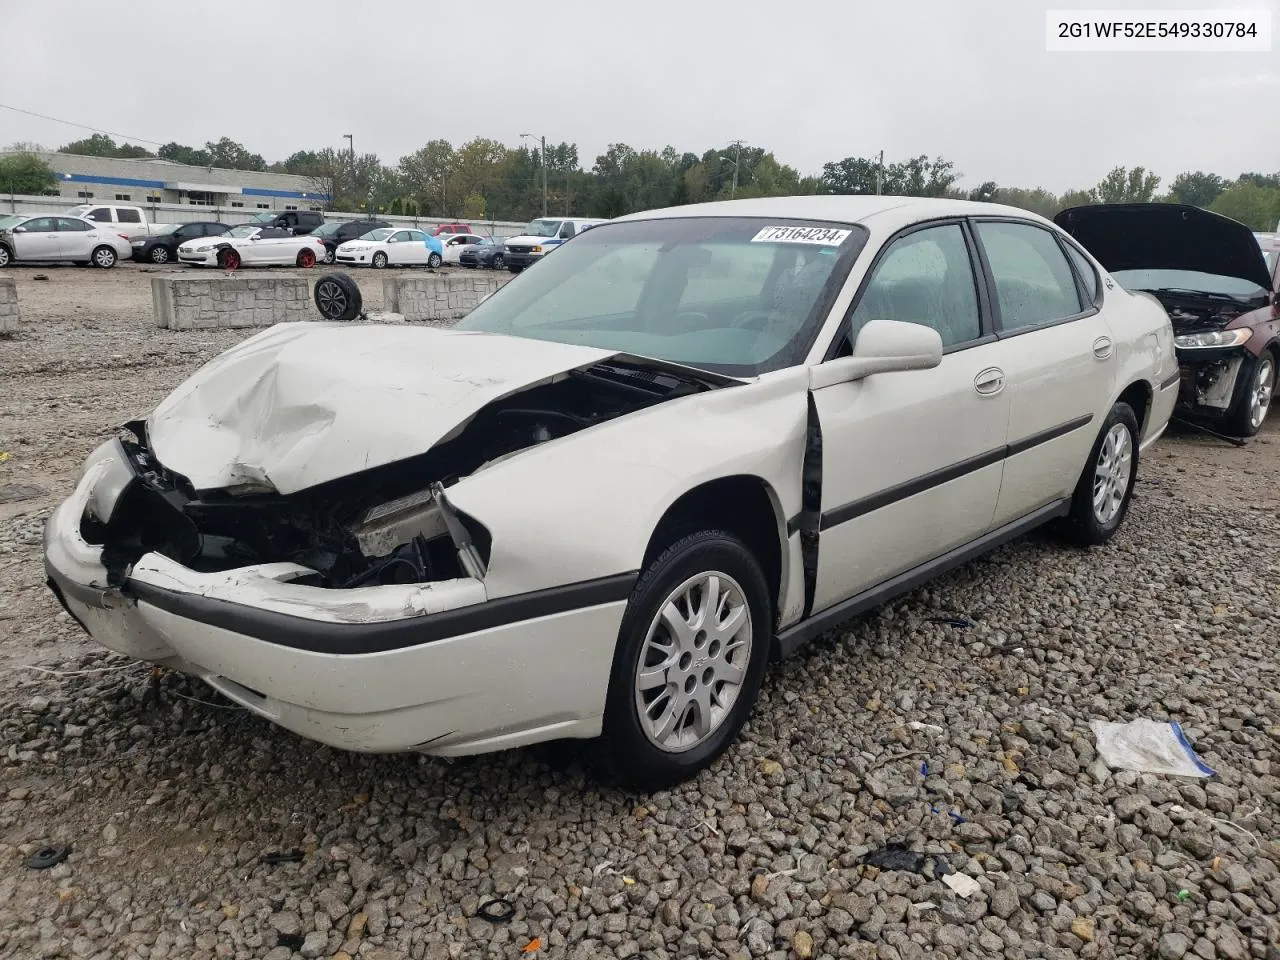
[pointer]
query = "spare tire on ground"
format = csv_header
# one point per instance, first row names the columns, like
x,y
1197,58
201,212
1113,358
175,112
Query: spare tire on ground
x,y
338,297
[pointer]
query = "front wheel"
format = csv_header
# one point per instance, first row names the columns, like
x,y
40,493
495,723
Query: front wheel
x,y
306,258
328,255
104,257
1253,396
434,260
229,259
497,262
6,257
1105,489
159,254
379,260
691,654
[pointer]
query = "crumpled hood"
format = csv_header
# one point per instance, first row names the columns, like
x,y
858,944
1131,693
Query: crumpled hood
x,y
300,404
1166,236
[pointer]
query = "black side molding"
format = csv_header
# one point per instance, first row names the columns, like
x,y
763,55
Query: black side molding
x,y
1170,380
794,637
319,636
884,498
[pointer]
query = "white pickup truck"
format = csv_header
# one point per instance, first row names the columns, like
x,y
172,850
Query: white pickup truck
x,y
130,221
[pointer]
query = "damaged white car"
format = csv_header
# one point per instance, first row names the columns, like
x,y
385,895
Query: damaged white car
x,y
691,440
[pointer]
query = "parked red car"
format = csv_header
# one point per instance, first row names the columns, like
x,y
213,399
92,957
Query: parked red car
x,y
452,228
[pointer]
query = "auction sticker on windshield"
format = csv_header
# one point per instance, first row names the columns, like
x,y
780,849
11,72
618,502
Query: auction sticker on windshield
x,y
821,236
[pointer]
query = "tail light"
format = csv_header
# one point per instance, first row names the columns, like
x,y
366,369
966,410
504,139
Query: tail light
x,y
122,236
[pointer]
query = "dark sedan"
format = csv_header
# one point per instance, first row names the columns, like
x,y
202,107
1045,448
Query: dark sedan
x,y
486,253
334,233
162,247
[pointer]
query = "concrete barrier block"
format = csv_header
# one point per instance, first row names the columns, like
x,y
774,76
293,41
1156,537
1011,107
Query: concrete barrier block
x,y
187,303
9,312
438,296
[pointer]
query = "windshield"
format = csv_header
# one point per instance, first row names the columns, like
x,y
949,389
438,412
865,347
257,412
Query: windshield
x,y
543,228
376,236
242,231
79,211
326,229
739,295
164,231
1153,280
12,221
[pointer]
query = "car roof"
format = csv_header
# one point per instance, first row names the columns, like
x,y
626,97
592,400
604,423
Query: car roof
x,y
885,212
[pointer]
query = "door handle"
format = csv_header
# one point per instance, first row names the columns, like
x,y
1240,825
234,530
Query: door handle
x,y
1102,348
989,382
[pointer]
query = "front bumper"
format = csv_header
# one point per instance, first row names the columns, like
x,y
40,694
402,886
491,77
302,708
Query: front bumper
x,y
347,256
1209,379
209,259
433,667
520,259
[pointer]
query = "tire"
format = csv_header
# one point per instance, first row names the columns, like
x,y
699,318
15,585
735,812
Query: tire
x,y
160,254
434,260
329,255
1105,489
497,263
229,259
638,752
1253,396
6,257
306,258
379,261
104,257
337,297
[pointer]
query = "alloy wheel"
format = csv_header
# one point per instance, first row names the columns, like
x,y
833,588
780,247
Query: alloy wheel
x,y
1112,472
1264,385
693,662
159,254
104,257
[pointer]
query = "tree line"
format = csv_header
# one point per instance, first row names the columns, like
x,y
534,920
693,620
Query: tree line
x,y
485,179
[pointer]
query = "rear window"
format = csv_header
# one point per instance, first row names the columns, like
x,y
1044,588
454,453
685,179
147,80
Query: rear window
x,y
128,216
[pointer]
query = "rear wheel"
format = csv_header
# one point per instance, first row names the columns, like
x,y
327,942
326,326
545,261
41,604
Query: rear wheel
x,y
379,260
159,254
691,653
1253,396
328,255
434,260
306,258
229,259
1102,496
104,257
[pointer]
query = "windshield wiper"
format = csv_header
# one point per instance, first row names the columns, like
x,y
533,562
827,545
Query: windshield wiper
x,y
1229,297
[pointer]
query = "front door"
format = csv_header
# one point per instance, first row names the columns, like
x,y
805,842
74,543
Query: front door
x,y
37,240
1059,356
911,461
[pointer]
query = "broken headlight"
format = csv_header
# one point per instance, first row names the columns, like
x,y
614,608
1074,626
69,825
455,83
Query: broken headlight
x,y
1209,339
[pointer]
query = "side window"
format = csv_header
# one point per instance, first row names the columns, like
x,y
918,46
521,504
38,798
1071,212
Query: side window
x,y
40,225
401,236
99,214
925,277
128,216
1084,268
566,230
1033,280
417,236
71,225
213,229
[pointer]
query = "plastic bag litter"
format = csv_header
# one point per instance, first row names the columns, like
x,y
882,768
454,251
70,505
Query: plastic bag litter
x,y
1148,746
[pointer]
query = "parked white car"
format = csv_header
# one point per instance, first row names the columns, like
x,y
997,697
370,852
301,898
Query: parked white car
x,y
454,244
50,239
252,246
595,506
386,247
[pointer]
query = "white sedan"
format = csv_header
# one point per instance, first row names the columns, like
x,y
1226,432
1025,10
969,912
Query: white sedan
x,y
388,247
40,238
252,246
692,439
454,244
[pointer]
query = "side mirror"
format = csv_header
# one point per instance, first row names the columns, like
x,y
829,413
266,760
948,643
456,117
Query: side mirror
x,y
19,229
883,346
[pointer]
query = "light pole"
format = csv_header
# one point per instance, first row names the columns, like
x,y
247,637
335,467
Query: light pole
x,y
733,189
879,172
543,157
351,145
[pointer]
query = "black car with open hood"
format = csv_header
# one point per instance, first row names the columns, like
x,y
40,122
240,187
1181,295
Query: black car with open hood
x,y
1209,273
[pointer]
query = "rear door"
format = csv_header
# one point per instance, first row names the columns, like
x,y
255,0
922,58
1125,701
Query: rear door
x,y
76,239
1059,358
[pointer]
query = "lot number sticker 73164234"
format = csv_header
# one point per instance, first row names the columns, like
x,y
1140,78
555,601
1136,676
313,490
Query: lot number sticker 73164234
x,y
820,236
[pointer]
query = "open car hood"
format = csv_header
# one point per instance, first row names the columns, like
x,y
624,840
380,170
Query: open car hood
x,y
1166,236
300,404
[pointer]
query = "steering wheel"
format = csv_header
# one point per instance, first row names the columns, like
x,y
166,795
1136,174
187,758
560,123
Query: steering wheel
x,y
753,319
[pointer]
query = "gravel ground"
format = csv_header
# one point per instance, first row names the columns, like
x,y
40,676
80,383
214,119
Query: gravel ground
x,y
968,743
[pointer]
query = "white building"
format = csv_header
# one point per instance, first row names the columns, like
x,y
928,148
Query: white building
x,y
151,181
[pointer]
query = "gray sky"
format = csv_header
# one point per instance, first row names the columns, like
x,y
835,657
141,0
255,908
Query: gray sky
x,y
813,81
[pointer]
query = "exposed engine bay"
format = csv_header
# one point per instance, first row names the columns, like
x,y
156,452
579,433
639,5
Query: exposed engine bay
x,y
1209,379
392,524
